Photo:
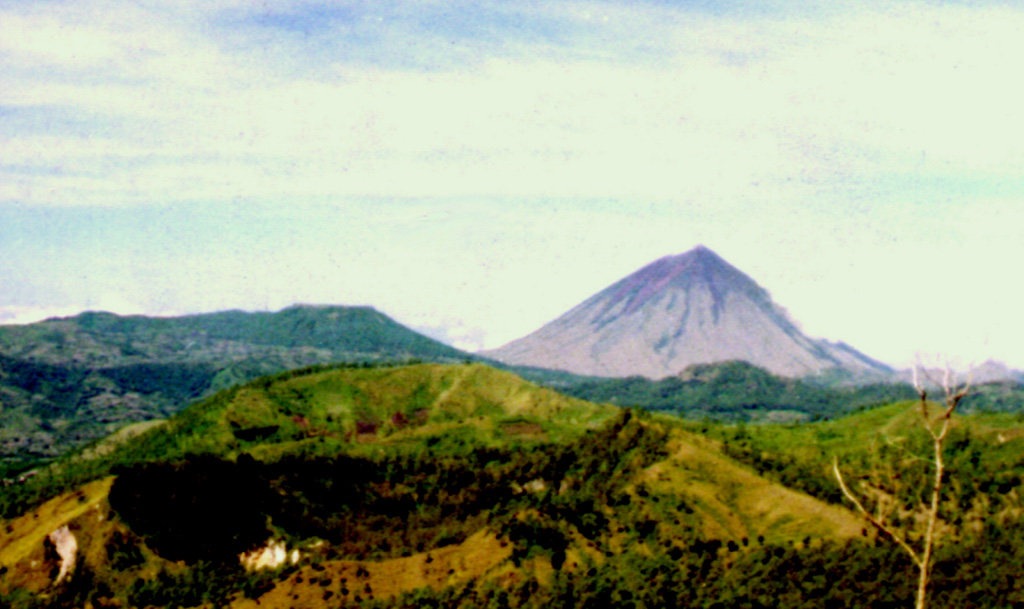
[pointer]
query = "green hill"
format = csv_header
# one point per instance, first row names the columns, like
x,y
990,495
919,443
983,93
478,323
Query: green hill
x,y
466,486
430,483
66,382
104,339
984,455
738,391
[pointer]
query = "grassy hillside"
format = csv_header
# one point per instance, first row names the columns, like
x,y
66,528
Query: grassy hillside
x,y
984,457
430,484
66,382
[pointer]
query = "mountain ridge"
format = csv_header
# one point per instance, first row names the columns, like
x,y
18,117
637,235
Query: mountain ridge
x,y
317,326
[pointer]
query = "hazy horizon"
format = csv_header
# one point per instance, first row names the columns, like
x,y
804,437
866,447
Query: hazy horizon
x,y
475,170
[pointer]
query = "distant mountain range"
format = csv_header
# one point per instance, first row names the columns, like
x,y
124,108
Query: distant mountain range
x,y
694,308
67,381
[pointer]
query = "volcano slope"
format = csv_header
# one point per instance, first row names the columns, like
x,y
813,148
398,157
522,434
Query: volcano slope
x,y
438,485
693,308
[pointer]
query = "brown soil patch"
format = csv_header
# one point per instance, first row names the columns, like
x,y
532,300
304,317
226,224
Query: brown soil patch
x,y
332,582
533,430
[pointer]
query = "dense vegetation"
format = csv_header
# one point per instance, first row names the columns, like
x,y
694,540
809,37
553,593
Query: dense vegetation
x,y
984,456
326,410
105,338
462,486
67,382
707,575
205,508
738,391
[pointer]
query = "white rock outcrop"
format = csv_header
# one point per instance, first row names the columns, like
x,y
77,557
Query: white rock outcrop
x,y
270,556
66,545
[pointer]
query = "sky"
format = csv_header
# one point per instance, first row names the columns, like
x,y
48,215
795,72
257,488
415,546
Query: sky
x,y
476,168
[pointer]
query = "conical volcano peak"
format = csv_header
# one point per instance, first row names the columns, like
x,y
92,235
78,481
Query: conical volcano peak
x,y
702,252
707,260
700,255
699,262
697,267
685,309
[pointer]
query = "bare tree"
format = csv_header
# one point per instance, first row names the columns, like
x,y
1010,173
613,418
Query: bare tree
x,y
937,427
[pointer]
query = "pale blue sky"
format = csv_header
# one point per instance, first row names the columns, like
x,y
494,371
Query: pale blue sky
x,y
479,167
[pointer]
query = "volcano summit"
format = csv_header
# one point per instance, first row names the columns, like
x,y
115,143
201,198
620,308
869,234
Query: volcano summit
x,y
693,308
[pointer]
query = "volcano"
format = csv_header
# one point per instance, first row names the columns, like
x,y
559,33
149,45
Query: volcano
x,y
693,308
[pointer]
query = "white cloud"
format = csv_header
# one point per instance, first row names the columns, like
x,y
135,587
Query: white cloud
x,y
734,105
51,41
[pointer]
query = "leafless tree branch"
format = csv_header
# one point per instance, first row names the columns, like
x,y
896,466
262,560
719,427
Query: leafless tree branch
x,y
938,429
875,521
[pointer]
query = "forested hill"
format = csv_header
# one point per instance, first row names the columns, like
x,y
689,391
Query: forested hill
x,y
386,481
64,382
104,339
465,486
738,391
741,392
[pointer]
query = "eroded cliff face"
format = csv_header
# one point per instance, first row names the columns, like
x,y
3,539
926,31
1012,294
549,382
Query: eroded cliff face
x,y
64,544
45,547
694,308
